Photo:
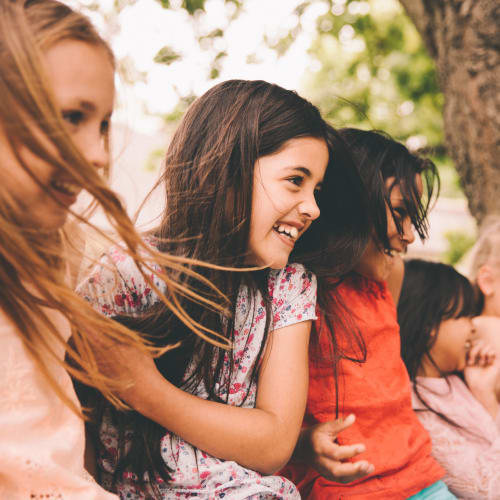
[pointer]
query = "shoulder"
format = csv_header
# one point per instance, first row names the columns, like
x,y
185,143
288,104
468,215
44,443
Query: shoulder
x,y
294,278
115,285
293,294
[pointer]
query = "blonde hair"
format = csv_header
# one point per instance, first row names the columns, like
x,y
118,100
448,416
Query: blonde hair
x,y
32,266
487,248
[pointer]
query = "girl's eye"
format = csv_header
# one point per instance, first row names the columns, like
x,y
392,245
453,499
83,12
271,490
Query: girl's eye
x,y
105,128
297,180
74,117
400,213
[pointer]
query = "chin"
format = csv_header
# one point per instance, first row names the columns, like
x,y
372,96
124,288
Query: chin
x,y
276,263
52,222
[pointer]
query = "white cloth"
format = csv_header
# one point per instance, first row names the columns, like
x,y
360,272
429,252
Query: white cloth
x,y
42,441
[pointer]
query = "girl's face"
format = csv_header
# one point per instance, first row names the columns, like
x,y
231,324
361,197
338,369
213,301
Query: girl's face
x,y
449,350
283,199
488,280
82,80
376,263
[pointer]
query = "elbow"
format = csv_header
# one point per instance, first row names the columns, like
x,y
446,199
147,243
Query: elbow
x,y
273,459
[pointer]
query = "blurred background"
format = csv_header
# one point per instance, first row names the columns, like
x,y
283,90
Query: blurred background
x,y
363,63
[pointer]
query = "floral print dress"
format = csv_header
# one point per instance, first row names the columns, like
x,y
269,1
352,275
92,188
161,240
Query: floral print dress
x,y
117,287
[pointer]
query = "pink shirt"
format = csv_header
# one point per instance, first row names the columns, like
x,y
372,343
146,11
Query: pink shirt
x,y
41,440
471,454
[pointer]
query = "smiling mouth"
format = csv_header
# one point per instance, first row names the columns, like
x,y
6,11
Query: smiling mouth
x,y
393,252
65,187
290,232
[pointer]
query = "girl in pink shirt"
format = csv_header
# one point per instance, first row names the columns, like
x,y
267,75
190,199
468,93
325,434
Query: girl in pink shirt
x,y
453,373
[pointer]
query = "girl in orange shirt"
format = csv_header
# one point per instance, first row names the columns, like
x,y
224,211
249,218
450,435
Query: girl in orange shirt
x,y
356,371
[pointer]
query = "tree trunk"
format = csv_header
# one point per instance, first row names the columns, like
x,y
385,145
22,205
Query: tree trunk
x,y
463,37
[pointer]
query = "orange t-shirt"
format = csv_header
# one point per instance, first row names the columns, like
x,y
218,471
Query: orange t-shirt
x,y
378,393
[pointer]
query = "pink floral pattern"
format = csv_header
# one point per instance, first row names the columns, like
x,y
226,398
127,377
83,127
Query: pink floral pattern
x,y
117,287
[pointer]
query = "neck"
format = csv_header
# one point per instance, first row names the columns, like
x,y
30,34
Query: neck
x,y
489,309
427,369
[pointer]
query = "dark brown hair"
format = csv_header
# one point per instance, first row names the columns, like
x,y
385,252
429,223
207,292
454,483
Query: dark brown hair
x,y
376,157
208,179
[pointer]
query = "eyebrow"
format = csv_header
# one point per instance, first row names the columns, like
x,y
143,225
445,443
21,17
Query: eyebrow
x,y
89,106
305,171
302,169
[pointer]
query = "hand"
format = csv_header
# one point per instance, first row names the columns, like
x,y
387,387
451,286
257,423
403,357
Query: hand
x,y
324,454
480,353
481,375
488,329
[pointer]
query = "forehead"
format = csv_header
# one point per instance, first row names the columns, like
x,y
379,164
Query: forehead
x,y
395,188
80,71
306,154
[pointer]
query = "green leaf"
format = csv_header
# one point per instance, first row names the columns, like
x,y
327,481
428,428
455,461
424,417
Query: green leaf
x,y
214,73
167,56
193,5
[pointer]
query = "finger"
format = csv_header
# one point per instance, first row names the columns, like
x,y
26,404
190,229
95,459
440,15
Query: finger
x,y
490,358
343,452
334,427
349,471
484,355
474,354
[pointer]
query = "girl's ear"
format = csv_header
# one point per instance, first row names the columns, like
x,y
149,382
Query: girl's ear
x,y
486,280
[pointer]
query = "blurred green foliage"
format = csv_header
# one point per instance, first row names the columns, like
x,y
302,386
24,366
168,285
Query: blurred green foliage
x,y
369,69
459,243
372,71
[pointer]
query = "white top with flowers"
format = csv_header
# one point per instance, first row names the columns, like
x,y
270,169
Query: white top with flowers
x,y
116,287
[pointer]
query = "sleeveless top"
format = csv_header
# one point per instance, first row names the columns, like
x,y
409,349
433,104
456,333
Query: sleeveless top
x,y
378,393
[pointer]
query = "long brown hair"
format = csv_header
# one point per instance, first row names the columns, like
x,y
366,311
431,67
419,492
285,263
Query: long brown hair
x,y
208,180
32,264
377,157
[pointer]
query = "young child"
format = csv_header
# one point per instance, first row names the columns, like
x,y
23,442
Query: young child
x,y
357,372
453,372
241,177
485,267
57,88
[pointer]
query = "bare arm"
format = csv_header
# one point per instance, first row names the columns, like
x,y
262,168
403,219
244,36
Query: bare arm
x,y
260,438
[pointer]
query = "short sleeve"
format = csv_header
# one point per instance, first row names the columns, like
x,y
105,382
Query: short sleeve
x,y
293,294
115,286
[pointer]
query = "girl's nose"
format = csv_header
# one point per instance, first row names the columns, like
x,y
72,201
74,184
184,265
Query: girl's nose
x,y
408,231
309,208
97,151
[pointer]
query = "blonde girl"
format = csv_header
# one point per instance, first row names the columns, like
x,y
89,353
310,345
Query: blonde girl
x,y
57,88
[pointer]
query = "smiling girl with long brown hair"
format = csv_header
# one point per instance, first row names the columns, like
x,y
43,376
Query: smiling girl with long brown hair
x,y
243,177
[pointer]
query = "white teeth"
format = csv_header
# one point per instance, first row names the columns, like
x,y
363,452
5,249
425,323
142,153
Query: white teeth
x,y
290,231
66,187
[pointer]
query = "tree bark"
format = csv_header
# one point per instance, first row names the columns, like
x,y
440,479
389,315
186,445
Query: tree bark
x,y
463,37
